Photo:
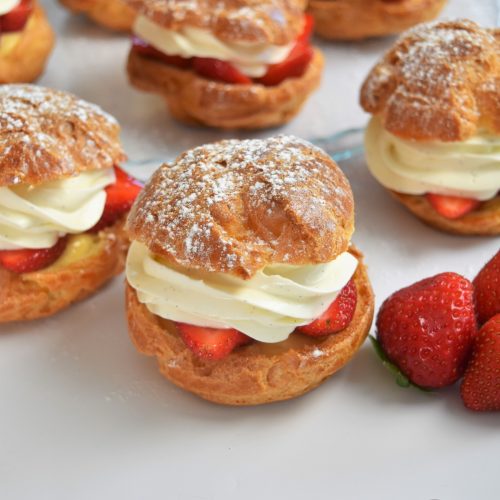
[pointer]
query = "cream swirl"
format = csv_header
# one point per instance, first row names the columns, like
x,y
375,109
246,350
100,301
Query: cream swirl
x,y
267,307
470,169
36,216
8,5
250,59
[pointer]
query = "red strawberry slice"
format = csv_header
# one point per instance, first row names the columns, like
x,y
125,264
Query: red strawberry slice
x,y
293,66
337,317
120,198
211,343
143,48
487,290
308,28
16,19
427,329
480,389
218,70
29,260
452,207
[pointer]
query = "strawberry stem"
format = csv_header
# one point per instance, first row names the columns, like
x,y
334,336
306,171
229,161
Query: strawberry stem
x,y
401,379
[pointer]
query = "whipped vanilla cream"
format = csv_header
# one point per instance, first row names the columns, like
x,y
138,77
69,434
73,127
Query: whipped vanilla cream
x,y
8,5
250,59
36,216
267,307
470,169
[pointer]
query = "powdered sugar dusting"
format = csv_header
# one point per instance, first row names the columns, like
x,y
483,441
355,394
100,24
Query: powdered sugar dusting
x,y
42,130
233,203
433,70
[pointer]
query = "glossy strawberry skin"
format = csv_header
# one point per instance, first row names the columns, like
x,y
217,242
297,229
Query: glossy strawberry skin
x,y
120,197
452,207
427,329
480,389
337,317
16,19
31,260
220,71
211,344
487,290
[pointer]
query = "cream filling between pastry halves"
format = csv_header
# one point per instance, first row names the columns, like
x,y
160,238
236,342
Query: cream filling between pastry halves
x,y
7,5
250,59
470,169
36,216
267,307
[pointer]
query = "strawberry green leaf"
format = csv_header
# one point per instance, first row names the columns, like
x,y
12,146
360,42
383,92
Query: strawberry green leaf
x,y
401,379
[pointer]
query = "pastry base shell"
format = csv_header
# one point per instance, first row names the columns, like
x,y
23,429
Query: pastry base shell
x,y
258,373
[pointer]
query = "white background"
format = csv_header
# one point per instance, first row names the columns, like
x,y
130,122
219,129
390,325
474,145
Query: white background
x,y
83,416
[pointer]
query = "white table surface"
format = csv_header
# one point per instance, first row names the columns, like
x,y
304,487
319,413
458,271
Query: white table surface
x,y
83,416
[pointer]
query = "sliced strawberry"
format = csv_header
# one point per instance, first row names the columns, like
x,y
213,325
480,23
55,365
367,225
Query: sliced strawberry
x,y
143,48
16,19
221,71
293,66
452,207
29,260
120,198
211,343
296,63
308,28
337,316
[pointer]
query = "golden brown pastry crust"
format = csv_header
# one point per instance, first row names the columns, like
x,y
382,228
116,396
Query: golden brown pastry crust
x,y
47,134
113,14
485,221
275,22
358,19
26,62
193,99
237,206
252,374
439,82
43,293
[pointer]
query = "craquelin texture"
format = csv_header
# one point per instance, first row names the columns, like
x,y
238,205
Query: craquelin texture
x,y
440,81
358,19
47,134
257,373
237,206
193,99
275,22
26,61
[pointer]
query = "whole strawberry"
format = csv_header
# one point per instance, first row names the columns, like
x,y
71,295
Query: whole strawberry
x,y
487,290
427,329
480,388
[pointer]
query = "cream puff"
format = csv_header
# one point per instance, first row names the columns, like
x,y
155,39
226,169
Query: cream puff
x,y
434,138
226,64
26,41
63,201
112,14
241,277
358,19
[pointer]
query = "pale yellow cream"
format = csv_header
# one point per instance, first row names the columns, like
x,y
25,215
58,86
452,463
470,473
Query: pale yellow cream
x,y
470,169
267,307
36,216
250,59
